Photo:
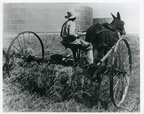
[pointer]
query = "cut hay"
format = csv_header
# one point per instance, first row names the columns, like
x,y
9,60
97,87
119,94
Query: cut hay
x,y
45,88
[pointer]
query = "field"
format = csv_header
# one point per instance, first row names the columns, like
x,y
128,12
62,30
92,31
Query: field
x,y
19,97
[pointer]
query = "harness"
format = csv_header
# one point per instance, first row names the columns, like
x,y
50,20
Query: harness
x,y
100,31
107,26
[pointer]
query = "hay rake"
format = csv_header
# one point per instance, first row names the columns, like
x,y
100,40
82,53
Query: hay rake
x,y
113,79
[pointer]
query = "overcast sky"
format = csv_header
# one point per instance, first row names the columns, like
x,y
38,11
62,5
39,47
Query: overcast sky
x,y
130,12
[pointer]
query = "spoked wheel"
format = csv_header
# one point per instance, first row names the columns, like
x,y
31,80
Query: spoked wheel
x,y
25,48
120,72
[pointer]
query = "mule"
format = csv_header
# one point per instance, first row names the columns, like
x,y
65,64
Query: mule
x,y
104,36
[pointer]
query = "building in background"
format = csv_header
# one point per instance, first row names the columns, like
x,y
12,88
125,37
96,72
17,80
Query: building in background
x,y
42,17
48,17
102,20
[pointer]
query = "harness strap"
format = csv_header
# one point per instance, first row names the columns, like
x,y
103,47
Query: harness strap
x,y
111,27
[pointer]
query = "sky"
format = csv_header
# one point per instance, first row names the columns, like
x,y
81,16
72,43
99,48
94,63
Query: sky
x,y
130,13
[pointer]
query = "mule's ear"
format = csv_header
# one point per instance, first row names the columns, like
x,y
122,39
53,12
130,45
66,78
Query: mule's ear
x,y
114,17
118,16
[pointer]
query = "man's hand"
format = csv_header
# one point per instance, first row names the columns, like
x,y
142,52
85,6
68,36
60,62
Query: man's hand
x,y
78,36
82,33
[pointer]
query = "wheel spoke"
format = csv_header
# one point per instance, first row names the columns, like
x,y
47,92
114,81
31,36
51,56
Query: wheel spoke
x,y
22,46
119,89
16,48
28,39
20,52
126,59
122,51
25,44
125,77
119,60
116,82
127,67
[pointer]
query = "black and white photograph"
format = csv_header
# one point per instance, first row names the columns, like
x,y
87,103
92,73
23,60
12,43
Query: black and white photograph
x,y
71,57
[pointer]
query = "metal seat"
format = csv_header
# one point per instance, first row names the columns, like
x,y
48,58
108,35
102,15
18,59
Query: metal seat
x,y
75,48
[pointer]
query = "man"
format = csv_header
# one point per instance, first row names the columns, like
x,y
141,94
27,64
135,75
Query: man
x,y
71,36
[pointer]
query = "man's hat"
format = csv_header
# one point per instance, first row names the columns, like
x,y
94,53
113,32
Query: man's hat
x,y
71,14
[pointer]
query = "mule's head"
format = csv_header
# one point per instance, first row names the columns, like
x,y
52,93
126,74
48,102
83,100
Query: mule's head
x,y
118,23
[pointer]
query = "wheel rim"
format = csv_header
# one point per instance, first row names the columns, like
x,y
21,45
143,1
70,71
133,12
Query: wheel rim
x,y
25,45
120,72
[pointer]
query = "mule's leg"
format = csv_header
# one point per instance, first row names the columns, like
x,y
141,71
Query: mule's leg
x,y
74,54
101,54
95,54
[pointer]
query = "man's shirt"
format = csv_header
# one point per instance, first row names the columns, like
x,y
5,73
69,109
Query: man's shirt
x,y
69,29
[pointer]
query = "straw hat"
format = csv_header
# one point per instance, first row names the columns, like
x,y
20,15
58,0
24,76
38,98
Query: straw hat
x,y
71,14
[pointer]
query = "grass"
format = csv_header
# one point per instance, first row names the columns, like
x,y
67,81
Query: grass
x,y
28,91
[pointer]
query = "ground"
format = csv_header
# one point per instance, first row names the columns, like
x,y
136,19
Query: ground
x,y
16,99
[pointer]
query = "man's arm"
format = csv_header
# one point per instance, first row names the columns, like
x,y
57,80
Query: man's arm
x,y
72,29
